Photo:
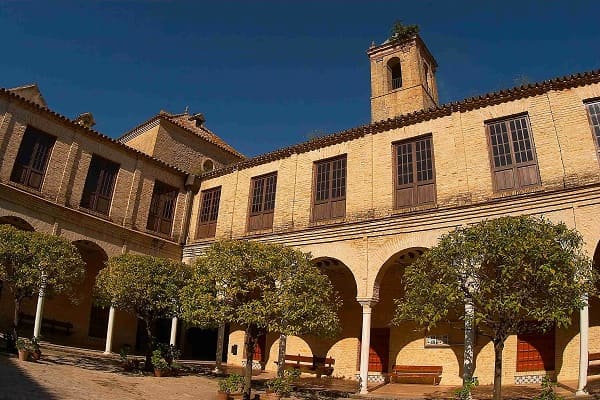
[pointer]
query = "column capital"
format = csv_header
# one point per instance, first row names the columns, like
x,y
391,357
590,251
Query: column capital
x,y
367,302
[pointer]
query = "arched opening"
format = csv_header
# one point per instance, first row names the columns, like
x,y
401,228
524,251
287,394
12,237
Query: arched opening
x,y
594,332
394,73
208,165
17,222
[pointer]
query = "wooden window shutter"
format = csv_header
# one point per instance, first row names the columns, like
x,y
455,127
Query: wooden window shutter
x,y
162,208
262,202
32,158
99,185
329,189
415,173
594,118
514,163
209,213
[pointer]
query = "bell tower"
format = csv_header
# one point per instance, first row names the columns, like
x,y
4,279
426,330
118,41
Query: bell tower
x,y
402,78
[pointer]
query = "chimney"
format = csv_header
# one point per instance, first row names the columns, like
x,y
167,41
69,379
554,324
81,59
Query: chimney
x,y
86,120
198,119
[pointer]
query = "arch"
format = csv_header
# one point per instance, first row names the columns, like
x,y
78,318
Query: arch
x,y
208,165
394,73
17,222
400,259
89,248
344,254
334,268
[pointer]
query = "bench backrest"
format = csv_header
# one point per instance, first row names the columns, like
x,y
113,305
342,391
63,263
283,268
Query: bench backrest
x,y
418,368
316,361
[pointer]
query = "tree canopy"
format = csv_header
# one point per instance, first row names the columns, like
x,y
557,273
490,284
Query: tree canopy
x,y
260,287
521,274
402,32
28,259
145,286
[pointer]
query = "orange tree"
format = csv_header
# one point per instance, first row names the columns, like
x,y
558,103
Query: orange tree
x,y
521,274
262,288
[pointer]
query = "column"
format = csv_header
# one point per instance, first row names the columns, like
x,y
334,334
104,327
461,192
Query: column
x,y
39,311
173,339
584,328
109,330
365,343
469,354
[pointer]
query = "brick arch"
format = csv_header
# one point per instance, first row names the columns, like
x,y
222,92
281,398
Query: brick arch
x,y
17,222
379,259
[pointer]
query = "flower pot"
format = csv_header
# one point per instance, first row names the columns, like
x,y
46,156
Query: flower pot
x,y
222,395
161,372
270,396
23,355
236,396
36,355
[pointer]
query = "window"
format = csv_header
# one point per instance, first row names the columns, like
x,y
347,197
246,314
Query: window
x,y
162,208
99,185
415,177
395,73
330,189
209,212
514,164
594,115
262,202
32,158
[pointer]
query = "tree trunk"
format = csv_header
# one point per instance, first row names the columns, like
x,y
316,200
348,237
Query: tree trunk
x,y
281,355
251,338
498,348
148,365
16,322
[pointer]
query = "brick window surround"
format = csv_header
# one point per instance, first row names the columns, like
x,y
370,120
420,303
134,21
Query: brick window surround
x,y
32,159
329,193
512,152
593,109
262,202
99,185
414,176
162,208
209,213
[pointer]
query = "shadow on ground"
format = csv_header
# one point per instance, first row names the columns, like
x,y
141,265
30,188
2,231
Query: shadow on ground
x,y
16,384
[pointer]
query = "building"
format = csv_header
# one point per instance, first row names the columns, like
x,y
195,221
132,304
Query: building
x,y
365,202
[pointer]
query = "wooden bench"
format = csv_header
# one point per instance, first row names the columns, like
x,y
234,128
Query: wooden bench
x,y
417,371
312,365
47,323
593,368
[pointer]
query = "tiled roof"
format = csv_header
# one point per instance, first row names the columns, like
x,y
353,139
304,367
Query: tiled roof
x,y
468,104
10,95
185,122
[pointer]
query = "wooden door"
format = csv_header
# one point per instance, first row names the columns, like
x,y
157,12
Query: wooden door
x,y
259,348
535,352
379,351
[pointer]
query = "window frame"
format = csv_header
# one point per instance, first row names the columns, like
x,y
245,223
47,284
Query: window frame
x,y
100,191
21,173
163,201
515,167
416,184
211,223
264,216
330,199
595,136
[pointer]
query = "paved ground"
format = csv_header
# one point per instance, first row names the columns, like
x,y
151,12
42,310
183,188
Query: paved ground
x,y
86,375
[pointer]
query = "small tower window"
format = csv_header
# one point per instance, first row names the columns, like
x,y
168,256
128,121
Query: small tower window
x,y
207,165
395,73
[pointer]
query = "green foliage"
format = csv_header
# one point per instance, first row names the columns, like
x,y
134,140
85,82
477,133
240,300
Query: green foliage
x,y
26,256
234,383
402,32
522,274
158,361
464,393
548,390
143,285
271,287
283,385
30,345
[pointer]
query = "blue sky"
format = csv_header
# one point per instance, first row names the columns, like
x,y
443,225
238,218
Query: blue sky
x,y
267,74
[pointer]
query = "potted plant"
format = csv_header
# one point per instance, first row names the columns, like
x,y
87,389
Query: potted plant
x,y
36,352
161,366
24,349
231,387
281,386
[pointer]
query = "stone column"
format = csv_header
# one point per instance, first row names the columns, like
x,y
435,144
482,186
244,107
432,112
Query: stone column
x,y
109,330
365,343
469,353
39,311
584,328
173,339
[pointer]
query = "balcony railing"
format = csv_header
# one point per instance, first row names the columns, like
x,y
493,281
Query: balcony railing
x,y
396,83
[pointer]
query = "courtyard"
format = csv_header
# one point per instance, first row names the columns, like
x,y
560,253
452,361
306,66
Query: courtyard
x,y
75,374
